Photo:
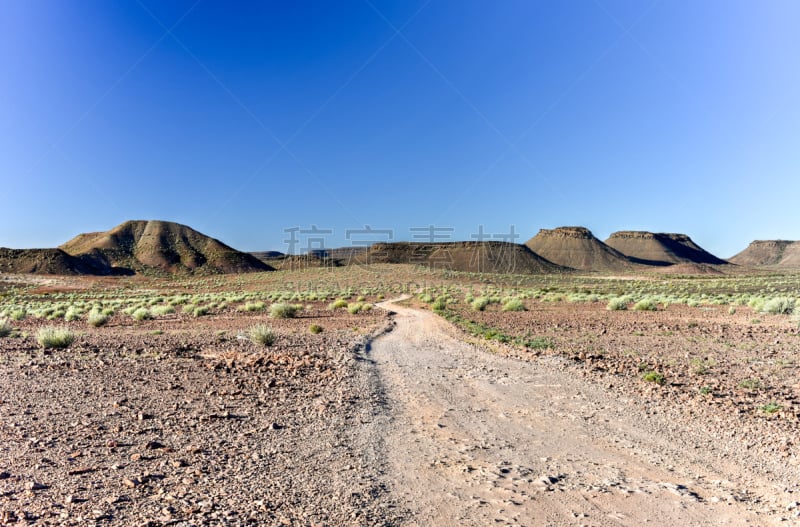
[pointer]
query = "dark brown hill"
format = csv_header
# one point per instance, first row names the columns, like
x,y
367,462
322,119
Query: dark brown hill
x,y
164,246
577,247
52,261
473,257
769,253
659,248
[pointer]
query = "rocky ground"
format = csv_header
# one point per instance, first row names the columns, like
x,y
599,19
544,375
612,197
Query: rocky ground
x,y
735,372
481,438
193,426
183,421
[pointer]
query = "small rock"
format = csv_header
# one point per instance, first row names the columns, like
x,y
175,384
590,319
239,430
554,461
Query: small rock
x,y
33,485
130,483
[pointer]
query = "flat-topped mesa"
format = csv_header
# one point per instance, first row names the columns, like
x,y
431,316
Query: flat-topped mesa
x,y
646,235
466,256
769,253
567,232
577,247
661,248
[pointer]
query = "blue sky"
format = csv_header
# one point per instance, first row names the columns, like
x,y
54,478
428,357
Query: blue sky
x,y
672,116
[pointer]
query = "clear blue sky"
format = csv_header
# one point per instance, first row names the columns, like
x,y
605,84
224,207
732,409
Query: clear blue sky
x,y
676,116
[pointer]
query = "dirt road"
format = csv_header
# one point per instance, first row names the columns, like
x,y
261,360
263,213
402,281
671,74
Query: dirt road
x,y
479,439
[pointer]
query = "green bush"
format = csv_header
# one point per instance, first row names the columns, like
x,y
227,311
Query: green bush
x,y
55,337
617,304
262,335
315,329
354,308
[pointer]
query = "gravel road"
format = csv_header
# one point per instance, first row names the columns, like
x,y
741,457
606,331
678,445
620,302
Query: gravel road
x,y
474,438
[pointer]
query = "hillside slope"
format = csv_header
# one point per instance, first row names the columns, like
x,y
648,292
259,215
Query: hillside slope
x,y
473,257
578,248
769,253
659,248
164,246
52,261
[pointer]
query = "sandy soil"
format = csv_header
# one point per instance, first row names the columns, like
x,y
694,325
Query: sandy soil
x,y
481,439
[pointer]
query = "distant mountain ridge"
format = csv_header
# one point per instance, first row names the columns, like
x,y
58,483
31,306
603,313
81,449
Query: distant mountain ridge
x,y
167,248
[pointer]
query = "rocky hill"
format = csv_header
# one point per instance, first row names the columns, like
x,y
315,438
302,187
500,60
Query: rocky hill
x,y
658,248
769,253
52,261
474,257
161,246
578,248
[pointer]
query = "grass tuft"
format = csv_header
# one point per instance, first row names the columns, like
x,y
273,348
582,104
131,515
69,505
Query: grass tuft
x,y
55,337
617,304
339,303
654,377
262,335
513,304
5,328
97,319
141,314
282,310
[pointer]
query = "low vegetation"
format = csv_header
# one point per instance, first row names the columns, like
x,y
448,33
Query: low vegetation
x,y
55,337
617,304
5,328
262,335
654,377
97,319
513,304
283,310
